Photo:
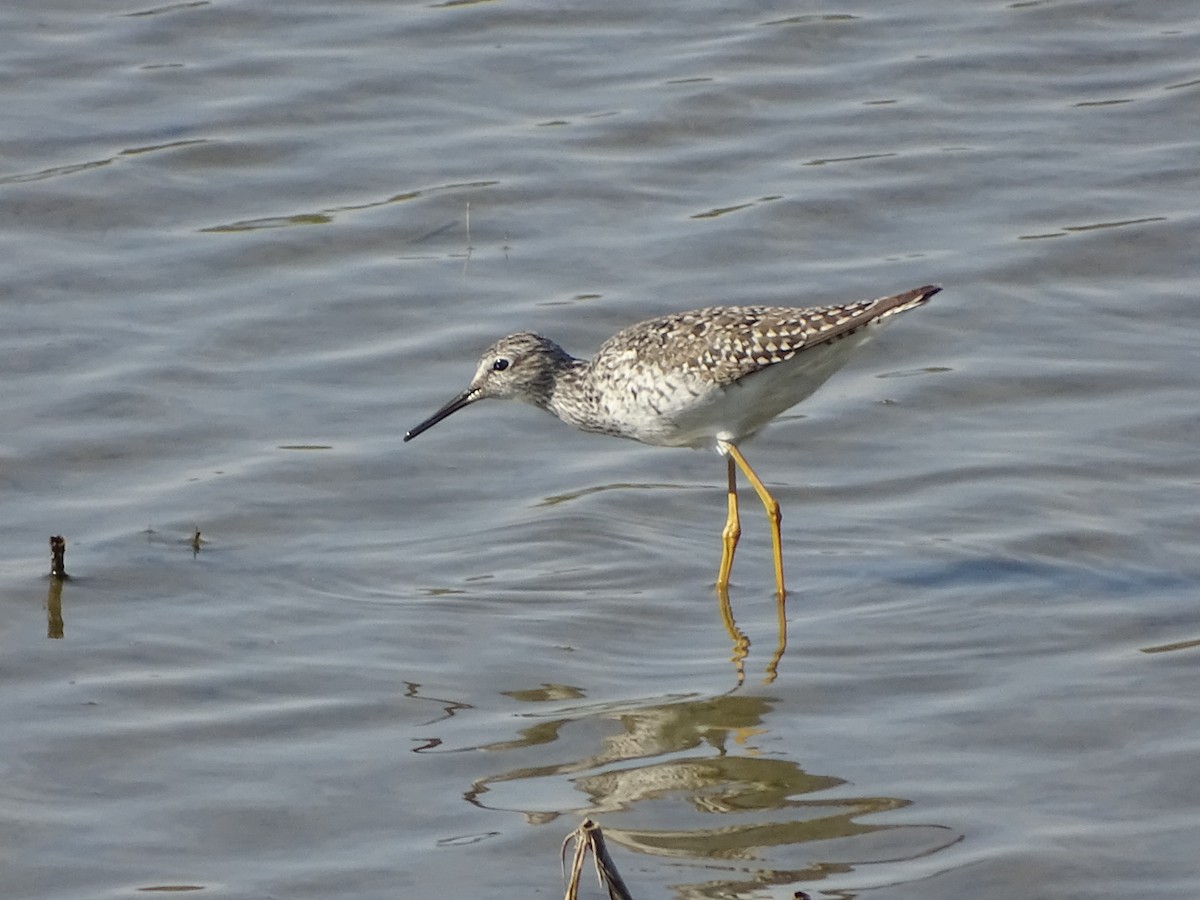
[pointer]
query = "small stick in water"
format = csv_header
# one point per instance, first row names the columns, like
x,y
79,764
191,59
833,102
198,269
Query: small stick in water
x,y
58,549
589,837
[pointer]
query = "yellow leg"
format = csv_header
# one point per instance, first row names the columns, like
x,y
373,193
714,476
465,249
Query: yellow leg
x,y
733,531
774,515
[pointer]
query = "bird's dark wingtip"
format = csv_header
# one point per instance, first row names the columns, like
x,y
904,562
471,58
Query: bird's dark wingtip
x,y
886,307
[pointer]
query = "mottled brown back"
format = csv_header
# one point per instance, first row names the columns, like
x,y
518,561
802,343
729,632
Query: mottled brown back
x,y
725,344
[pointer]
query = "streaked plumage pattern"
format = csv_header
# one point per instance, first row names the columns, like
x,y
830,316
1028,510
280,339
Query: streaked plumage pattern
x,y
724,343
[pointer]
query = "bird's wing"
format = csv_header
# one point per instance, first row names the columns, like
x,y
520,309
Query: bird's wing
x,y
723,344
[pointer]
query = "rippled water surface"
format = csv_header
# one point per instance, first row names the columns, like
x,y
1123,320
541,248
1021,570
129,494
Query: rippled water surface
x,y
246,245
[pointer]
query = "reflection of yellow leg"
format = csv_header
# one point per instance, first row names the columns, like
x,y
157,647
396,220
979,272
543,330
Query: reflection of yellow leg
x,y
774,516
733,530
741,643
773,665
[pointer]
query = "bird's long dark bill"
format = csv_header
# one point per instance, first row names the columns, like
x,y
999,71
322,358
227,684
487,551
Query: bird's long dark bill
x,y
466,398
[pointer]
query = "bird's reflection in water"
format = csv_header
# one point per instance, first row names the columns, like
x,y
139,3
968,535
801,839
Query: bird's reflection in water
x,y
741,642
661,772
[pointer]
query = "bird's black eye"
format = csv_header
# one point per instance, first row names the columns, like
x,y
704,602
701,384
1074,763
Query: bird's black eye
x,y
500,365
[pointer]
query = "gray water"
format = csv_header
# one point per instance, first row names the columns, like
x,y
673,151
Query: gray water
x,y
246,245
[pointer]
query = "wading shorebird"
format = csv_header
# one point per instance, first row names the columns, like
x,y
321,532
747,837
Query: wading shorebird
x,y
708,378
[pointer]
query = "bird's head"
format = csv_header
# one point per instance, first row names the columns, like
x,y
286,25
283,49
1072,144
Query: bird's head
x,y
521,366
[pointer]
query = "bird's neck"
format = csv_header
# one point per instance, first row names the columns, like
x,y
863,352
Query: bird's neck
x,y
572,399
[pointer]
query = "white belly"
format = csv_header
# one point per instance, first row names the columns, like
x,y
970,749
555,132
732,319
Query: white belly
x,y
700,415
